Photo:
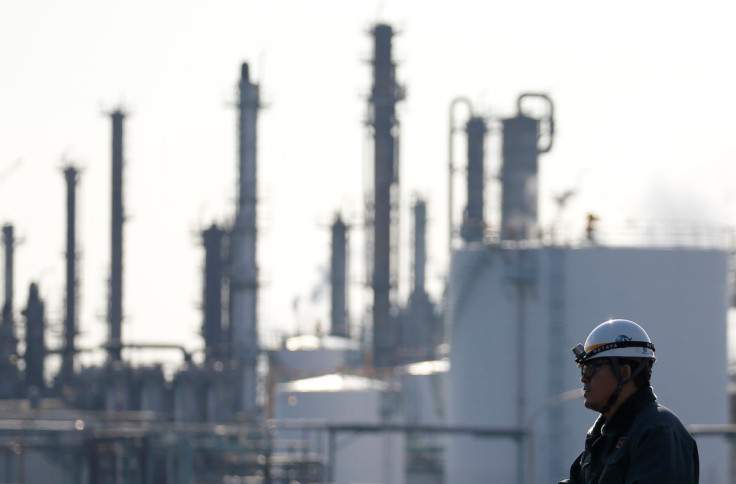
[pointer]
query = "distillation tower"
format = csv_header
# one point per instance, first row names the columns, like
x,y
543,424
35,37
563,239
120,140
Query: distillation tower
x,y
474,224
70,316
421,330
382,118
9,375
244,276
115,309
212,328
338,279
519,169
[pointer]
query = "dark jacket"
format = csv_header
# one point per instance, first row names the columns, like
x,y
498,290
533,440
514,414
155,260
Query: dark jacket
x,y
643,443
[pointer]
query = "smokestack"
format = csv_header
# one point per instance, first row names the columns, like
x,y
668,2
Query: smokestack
x,y
244,277
382,115
212,297
115,314
70,319
473,219
35,343
338,278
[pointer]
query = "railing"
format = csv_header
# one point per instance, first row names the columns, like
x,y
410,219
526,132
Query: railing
x,y
646,234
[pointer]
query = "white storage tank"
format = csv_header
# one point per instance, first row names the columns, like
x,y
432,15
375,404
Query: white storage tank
x,y
357,457
308,355
515,314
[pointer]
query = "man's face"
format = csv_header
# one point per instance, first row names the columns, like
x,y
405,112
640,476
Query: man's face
x,y
598,387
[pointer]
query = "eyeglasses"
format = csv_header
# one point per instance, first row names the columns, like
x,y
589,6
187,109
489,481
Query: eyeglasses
x,y
587,370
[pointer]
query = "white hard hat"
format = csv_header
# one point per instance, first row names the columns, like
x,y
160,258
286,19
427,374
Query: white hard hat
x,y
617,338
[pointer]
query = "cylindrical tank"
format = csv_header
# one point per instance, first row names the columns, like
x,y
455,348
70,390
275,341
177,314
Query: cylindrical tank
x,y
521,149
189,396
344,399
150,384
519,178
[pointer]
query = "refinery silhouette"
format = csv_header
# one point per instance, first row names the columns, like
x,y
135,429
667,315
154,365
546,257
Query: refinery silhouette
x,y
424,391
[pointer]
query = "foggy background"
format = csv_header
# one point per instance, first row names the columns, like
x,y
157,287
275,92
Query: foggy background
x,y
644,119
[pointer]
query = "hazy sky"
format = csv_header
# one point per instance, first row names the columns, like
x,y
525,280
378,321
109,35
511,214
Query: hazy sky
x,y
644,103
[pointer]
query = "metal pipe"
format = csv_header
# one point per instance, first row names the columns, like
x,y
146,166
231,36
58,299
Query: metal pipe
x,y
550,116
451,165
160,346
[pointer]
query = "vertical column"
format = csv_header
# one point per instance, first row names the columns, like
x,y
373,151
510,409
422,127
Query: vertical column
x,y
9,375
473,218
420,246
9,243
115,310
519,178
338,277
70,317
384,96
35,354
212,294
520,165
244,277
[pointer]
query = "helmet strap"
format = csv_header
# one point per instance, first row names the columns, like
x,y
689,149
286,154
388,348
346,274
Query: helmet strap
x,y
621,382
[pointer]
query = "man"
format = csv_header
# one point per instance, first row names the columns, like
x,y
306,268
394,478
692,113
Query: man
x,y
634,440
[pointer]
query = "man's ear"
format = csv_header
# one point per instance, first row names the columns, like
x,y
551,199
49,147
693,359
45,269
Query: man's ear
x,y
626,371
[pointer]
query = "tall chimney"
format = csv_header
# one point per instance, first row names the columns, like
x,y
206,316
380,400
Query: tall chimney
x,y
244,276
70,318
115,314
382,116
338,278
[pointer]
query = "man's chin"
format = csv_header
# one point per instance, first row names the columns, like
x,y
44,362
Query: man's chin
x,y
591,405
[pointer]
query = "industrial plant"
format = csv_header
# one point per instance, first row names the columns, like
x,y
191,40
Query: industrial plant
x,y
476,387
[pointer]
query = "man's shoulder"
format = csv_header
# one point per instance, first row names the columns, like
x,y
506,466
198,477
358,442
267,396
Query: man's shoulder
x,y
654,415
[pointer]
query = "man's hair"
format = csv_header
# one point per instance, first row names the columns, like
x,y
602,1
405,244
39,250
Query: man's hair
x,y
645,375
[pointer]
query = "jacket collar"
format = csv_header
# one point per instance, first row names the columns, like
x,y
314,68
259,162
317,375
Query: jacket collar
x,y
625,414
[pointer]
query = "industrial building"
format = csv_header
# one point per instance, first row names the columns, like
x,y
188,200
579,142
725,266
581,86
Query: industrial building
x,y
514,311
480,387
